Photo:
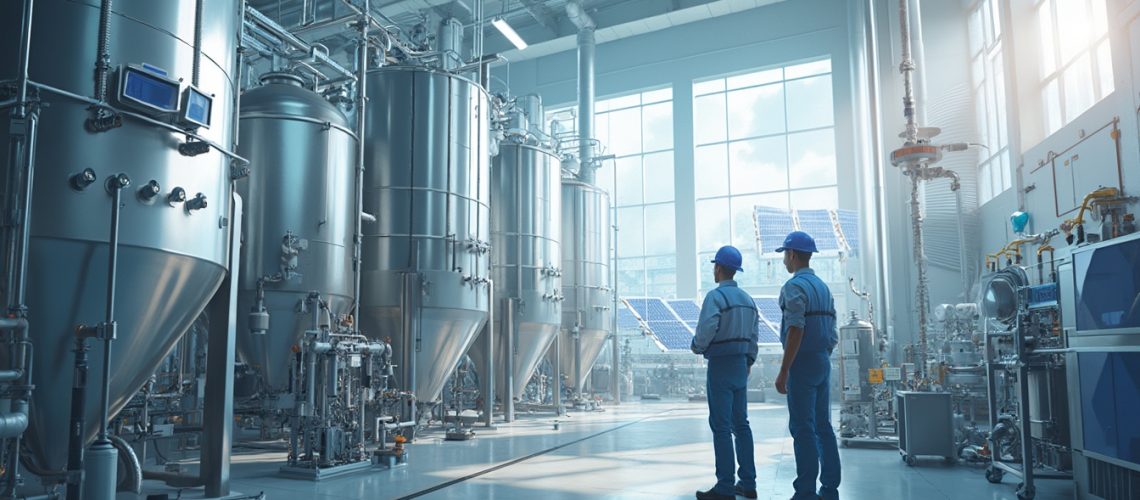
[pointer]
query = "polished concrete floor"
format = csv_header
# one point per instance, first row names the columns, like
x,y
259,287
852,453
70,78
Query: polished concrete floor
x,y
639,450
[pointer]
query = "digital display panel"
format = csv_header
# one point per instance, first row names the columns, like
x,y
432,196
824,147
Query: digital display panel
x,y
149,90
197,107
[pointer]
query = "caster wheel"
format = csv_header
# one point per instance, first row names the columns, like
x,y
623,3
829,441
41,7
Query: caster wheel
x,y
1024,493
910,461
949,460
843,443
994,475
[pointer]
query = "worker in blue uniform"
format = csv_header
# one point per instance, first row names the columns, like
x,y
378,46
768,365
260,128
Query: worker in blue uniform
x,y
727,335
808,334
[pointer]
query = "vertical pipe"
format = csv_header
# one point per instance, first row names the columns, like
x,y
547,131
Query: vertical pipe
x,y
557,371
907,70
103,57
361,101
197,69
115,185
586,54
509,321
487,371
21,168
78,422
882,260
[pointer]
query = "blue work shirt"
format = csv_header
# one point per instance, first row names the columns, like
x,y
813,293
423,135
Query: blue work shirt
x,y
807,303
728,325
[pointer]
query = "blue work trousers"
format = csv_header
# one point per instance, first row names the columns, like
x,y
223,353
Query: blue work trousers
x,y
809,412
727,389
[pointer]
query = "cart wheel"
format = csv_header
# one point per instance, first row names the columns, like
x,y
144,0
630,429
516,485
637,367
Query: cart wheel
x,y
994,474
949,460
910,460
843,443
1024,493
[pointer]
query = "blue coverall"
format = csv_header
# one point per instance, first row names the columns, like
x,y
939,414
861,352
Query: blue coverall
x,y
727,335
806,302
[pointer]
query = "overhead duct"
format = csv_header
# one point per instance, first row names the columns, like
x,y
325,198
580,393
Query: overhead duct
x,y
586,56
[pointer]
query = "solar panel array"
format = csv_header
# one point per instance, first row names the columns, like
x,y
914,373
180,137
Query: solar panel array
x,y
673,322
768,335
651,309
773,224
769,308
626,320
818,224
674,335
849,224
687,310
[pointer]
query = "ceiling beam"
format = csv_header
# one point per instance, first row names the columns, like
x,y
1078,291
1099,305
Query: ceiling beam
x,y
543,14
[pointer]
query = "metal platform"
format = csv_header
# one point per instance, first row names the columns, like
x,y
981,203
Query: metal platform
x,y
322,473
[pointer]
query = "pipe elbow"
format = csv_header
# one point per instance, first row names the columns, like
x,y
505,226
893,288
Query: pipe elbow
x,y
13,424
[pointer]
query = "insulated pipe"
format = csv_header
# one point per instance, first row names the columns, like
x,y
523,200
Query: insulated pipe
x,y
103,57
15,421
197,69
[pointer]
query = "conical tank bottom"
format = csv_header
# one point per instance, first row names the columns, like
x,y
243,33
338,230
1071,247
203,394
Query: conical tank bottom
x,y
531,343
158,296
270,354
444,336
592,342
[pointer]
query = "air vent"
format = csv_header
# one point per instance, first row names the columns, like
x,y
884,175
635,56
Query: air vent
x,y
1112,482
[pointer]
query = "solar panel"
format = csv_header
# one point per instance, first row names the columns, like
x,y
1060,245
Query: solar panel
x,y
626,319
686,309
818,224
651,309
674,335
768,335
774,225
849,224
769,308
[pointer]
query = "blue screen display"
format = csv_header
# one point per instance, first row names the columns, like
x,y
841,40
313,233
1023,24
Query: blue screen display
x,y
150,90
198,107
1108,287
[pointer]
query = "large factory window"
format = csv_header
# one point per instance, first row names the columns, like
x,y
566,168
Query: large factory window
x,y
1076,58
763,138
638,130
986,54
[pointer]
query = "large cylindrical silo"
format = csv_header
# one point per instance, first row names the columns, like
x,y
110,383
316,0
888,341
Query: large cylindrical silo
x,y
298,219
526,205
426,260
587,312
173,250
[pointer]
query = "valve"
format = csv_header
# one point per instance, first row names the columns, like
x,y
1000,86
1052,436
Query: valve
x,y
149,192
197,203
80,181
176,196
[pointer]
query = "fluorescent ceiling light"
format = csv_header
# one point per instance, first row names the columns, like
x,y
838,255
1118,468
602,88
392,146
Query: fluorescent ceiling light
x,y
508,32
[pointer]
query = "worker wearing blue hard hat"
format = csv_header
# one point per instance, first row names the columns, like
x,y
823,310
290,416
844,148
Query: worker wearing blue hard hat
x,y
808,334
728,332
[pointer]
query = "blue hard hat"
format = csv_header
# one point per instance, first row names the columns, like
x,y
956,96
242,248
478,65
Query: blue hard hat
x,y
798,240
728,256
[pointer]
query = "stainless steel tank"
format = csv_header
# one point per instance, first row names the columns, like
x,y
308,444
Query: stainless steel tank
x,y
298,218
587,311
856,356
526,206
426,259
171,258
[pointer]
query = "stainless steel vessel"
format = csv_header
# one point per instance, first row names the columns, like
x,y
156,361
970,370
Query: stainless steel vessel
x,y
587,312
172,256
526,206
856,357
298,218
426,263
